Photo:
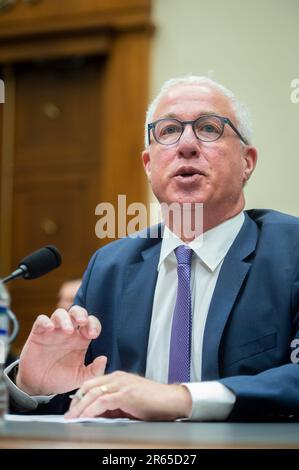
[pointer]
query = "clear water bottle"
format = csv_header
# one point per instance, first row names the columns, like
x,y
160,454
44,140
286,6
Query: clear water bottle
x,y
4,322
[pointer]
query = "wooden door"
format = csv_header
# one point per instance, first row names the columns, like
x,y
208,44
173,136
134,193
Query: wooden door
x,y
57,173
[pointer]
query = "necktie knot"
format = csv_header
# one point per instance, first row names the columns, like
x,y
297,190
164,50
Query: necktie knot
x,y
183,254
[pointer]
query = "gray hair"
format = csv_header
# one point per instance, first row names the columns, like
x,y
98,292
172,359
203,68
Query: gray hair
x,y
241,111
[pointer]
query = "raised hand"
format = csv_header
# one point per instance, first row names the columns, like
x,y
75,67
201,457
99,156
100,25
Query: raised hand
x,y
52,360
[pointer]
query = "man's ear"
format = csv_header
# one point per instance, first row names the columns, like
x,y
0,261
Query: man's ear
x,y
146,160
250,159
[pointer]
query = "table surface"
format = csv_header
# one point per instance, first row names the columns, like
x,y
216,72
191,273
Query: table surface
x,y
150,435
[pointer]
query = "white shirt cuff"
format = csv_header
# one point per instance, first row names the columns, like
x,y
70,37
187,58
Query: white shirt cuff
x,y
21,400
211,401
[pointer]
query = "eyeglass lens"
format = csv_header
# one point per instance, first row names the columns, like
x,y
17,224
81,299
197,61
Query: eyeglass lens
x,y
207,128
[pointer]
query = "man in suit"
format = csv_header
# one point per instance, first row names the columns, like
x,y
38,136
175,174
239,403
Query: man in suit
x,y
124,345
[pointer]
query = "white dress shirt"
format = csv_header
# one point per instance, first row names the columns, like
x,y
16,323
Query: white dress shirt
x,y
211,400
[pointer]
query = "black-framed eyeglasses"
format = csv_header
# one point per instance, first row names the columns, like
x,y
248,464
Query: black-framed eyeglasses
x,y
207,128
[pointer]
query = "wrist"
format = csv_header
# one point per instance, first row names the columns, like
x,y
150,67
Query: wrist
x,y
185,402
17,380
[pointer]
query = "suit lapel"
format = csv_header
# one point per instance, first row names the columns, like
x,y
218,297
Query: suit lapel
x,y
136,310
231,277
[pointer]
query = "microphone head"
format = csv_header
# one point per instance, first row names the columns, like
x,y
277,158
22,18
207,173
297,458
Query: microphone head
x,y
40,262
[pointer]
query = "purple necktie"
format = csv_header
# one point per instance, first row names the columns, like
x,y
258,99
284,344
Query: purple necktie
x,y
180,342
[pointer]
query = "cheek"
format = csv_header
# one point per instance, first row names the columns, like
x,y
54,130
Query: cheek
x,y
238,167
160,165
227,164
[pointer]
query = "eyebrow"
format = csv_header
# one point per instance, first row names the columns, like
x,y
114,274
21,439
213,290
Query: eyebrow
x,y
202,113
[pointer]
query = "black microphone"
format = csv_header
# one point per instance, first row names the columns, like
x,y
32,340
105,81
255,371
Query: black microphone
x,y
37,264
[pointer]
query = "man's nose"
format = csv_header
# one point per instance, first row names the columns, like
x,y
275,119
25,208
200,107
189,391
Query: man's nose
x,y
188,143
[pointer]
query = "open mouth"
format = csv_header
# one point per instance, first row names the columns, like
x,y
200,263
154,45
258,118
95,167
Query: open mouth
x,y
187,174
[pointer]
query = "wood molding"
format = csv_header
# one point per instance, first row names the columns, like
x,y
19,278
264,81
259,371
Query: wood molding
x,y
50,47
57,15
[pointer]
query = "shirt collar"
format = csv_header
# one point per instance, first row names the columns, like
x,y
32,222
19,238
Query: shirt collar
x,y
211,247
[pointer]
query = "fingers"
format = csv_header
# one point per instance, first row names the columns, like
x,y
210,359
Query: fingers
x,y
76,318
42,324
100,394
62,320
78,315
104,402
89,325
132,395
93,401
91,329
68,321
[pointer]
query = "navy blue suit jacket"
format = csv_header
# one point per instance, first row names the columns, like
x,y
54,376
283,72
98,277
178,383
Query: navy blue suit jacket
x,y
252,319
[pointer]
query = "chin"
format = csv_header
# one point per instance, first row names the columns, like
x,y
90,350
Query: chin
x,y
182,197
184,200
189,198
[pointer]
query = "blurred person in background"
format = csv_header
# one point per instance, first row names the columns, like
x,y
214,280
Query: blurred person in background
x,y
67,293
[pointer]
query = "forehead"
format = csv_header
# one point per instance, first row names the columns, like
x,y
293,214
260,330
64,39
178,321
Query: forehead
x,y
187,101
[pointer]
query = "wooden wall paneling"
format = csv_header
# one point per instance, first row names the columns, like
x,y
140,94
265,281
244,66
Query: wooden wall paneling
x,y
56,158
126,77
7,166
57,114
65,205
49,47
65,15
